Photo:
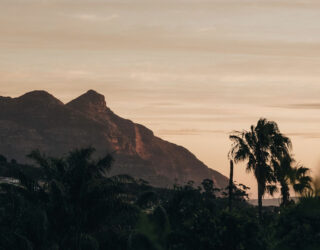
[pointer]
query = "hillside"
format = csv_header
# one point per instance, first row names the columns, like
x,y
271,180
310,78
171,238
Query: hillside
x,y
38,120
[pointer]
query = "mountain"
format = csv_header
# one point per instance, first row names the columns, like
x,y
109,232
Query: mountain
x,y
38,120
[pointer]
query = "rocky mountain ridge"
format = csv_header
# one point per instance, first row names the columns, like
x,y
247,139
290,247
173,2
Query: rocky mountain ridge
x,y
38,120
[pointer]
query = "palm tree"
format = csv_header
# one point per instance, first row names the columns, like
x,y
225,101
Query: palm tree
x,y
284,174
288,175
315,187
65,203
258,147
231,185
300,180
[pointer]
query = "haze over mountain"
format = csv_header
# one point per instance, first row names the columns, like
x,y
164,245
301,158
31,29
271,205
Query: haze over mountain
x,y
37,120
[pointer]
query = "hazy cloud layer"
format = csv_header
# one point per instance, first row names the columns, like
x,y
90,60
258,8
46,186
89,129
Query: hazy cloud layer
x,y
302,106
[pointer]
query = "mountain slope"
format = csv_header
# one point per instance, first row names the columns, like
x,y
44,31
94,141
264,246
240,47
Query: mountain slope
x,y
39,120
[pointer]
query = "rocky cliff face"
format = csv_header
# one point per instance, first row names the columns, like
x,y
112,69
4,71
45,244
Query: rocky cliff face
x,y
37,120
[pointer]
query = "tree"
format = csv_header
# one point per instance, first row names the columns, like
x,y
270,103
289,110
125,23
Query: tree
x,y
288,175
284,173
68,204
230,185
300,180
298,226
258,147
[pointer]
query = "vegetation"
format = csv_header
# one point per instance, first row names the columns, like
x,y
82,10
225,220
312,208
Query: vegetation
x,y
287,174
72,203
267,153
259,146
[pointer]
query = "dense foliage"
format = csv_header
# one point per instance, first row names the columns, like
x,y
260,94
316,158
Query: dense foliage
x,y
69,203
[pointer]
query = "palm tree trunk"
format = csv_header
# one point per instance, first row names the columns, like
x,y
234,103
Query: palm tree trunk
x,y
231,185
260,194
261,184
284,193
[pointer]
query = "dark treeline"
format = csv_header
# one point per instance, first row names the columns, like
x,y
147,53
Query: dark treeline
x,y
72,203
68,203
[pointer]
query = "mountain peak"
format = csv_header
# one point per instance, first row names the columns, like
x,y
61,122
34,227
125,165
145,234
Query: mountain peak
x,y
39,96
89,102
32,121
93,96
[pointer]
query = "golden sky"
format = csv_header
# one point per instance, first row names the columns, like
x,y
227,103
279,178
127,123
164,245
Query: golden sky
x,y
191,70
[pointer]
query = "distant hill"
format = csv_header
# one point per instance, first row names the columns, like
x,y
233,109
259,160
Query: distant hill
x,y
37,120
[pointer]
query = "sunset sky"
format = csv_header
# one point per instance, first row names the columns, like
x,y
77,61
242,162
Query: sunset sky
x,y
190,70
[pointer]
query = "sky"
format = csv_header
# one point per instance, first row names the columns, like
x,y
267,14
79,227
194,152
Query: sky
x,y
191,70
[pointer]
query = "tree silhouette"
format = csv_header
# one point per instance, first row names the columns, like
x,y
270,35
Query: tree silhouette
x,y
287,175
258,147
231,185
284,174
300,180
71,202
298,227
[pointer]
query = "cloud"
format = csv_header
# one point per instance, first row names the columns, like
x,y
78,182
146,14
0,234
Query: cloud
x,y
307,135
94,17
207,29
190,131
301,106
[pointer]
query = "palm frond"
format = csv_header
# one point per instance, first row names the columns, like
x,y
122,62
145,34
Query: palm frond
x,y
240,149
271,189
252,163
